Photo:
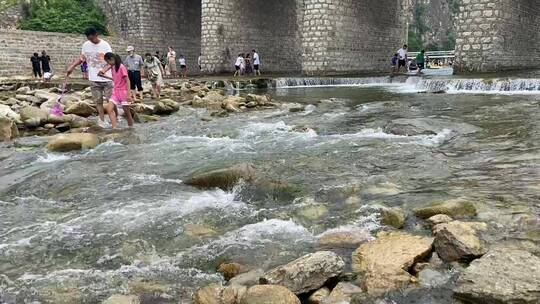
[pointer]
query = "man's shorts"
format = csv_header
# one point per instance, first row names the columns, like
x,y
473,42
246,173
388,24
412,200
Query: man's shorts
x,y
421,65
402,63
135,80
256,67
101,90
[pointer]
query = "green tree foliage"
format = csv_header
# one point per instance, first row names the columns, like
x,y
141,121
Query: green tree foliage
x,y
64,16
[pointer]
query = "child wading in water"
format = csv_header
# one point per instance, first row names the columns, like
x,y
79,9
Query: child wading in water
x,y
120,95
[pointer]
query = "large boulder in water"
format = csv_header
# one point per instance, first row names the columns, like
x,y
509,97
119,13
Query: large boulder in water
x,y
503,275
224,178
210,294
33,116
122,299
8,129
81,108
269,294
385,261
455,208
458,241
72,142
307,273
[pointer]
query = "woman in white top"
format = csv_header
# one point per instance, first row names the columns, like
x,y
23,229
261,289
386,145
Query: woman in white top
x,y
171,60
183,66
238,65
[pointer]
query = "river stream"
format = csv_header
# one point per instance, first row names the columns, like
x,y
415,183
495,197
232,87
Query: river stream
x,y
119,219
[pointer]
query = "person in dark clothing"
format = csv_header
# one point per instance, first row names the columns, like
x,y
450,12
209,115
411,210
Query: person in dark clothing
x,y
45,62
36,66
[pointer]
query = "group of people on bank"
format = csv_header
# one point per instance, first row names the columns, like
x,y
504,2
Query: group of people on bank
x,y
116,82
401,60
247,64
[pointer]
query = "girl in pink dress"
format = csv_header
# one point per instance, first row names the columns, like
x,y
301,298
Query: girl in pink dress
x,y
120,96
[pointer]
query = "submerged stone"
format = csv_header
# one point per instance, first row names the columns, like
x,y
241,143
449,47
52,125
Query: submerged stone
x,y
72,141
225,179
456,208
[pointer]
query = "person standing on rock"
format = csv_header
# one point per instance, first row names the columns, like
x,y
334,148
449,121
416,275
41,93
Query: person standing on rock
x,y
134,64
36,67
93,52
171,60
199,61
402,58
256,63
120,96
45,62
154,73
183,66
420,61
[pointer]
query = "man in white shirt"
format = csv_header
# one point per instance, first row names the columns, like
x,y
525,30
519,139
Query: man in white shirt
x,y
199,61
93,52
256,63
402,58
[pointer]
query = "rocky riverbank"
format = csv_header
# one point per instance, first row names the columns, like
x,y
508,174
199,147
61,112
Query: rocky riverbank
x,y
26,112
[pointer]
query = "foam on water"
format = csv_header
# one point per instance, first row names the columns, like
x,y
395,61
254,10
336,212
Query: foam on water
x,y
153,179
52,157
378,133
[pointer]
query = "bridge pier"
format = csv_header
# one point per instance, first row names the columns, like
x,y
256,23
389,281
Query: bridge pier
x,y
498,35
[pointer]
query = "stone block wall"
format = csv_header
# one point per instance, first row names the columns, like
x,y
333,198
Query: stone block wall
x,y
495,35
230,27
349,36
16,48
152,26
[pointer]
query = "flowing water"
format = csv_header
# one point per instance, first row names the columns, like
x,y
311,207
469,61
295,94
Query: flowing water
x,y
82,226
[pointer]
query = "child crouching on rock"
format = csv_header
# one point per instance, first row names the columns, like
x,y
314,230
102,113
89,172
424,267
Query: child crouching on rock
x,y
120,95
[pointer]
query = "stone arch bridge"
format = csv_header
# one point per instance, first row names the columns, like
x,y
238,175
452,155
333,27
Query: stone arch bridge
x,y
323,36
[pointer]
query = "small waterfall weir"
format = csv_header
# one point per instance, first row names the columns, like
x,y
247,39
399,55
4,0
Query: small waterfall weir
x,y
421,84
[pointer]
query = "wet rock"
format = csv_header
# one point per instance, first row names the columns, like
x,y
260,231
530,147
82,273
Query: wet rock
x,y
166,107
142,108
248,279
386,260
33,116
199,231
8,129
209,295
439,219
143,118
269,294
122,299
259,100
251,105
307,273
349,238
55,119
72,141
342,293
80,122
223,178
230,270
318,296
6,111
455,208
393,217
433,278
81,108
233,103
61,295
312,212
503,275
458,241
233,294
